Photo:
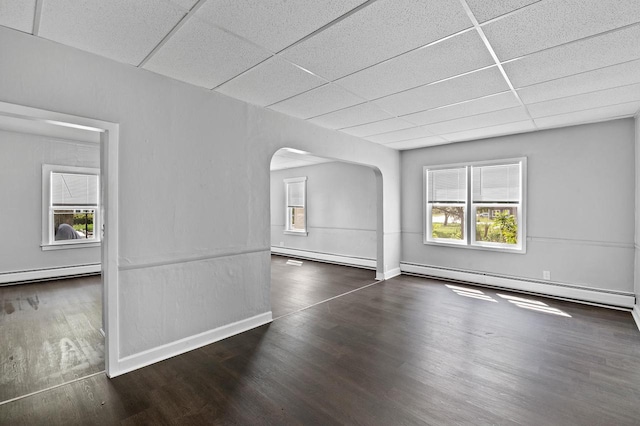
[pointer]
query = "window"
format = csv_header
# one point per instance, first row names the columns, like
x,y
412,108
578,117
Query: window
x,y
478,205
71,200
296,199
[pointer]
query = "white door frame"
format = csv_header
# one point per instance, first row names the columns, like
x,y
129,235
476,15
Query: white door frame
x,y
109,178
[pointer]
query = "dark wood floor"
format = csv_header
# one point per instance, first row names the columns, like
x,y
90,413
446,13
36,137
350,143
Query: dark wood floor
x,y
402,352
50,334
296,287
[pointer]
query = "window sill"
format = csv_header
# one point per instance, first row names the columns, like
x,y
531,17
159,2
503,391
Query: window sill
x,y
47,247
298,233
476,246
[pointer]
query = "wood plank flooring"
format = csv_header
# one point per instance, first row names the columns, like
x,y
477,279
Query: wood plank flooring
x,y
296,287
49,334
401,352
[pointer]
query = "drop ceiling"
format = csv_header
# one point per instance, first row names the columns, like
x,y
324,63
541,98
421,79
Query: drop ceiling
x,y
402,73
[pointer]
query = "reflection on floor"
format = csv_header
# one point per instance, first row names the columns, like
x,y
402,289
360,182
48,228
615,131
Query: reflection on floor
x,y
50,334
407,350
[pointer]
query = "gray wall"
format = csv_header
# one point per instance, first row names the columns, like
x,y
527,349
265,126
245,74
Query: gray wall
x,y
580,211
637,212
341,210
21,159
194,239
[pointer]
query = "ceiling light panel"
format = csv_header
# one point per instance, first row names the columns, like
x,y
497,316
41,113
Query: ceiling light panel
x,y
494,118
550,23
269,82
124,30
456,55
378,32
417,143
604,78
204,55
485,10
400,135
591,115
352,116
477,106
274,24
316,102
466,87
585,55
593,100
378,127
18,14
491,131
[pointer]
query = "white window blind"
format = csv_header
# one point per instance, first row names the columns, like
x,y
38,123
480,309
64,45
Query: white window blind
x,y
69,189
496,183
295,194
449,185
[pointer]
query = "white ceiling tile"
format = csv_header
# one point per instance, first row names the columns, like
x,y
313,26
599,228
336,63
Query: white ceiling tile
x,y
550,23
18,14
590,115
269,82
185,4
274,24
400,135
484,10
494,118
378,127
201,54
491,131
352,116
120,29
316,102
585,55
378,32
466,87
592,100
477,106
604,78
456,55
417,143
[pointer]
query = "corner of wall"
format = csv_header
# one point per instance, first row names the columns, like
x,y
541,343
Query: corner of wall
x,y
636,272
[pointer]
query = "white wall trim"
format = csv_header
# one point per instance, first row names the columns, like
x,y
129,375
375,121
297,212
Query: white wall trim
x,y
360,262
388,274
635,313
49,273
160,353
551,289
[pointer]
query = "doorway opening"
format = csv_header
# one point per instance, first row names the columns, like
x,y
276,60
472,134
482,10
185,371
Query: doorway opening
x,y
57,287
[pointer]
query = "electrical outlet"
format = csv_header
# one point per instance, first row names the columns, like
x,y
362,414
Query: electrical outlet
x,y
281,243
546,275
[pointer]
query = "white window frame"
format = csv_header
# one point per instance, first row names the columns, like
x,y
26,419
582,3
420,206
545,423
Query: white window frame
x,y
288,229
48,233
429,230
471,209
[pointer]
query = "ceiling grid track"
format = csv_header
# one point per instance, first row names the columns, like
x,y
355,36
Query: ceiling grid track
x,y
36,17
493,54
170,34
308,36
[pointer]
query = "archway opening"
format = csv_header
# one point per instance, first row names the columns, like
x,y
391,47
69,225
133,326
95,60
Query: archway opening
x,y
326,228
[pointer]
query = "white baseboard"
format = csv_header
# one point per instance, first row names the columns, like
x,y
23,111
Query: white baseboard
x,y
326,257
636,315
45,274
552,289
160,353
389,274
